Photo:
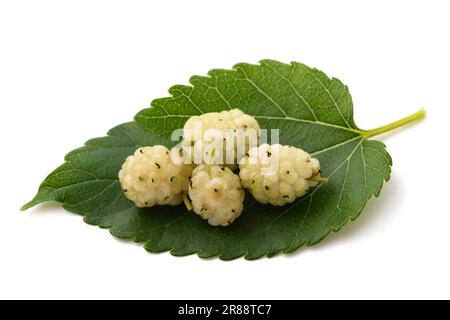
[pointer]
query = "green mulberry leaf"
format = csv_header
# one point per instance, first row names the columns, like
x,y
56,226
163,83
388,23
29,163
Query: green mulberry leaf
x,y
311,110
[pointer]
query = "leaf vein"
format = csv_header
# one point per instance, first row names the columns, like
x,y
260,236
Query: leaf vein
x,y
247,78
295,90
331,97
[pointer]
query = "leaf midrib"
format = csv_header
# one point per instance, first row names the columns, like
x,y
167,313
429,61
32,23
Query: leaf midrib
x,y
272,118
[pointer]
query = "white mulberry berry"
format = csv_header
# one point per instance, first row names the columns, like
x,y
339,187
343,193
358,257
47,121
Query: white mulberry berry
x,y
219,137
279,174
216,194
151,177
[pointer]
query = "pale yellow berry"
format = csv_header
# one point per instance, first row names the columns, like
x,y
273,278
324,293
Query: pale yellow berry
x,y
278,174
151,177
216,194
219,137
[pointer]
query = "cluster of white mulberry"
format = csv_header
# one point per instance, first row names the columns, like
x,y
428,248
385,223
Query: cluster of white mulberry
x,y
273,174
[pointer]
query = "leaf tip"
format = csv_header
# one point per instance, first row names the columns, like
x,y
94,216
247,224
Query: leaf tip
x,y
27,206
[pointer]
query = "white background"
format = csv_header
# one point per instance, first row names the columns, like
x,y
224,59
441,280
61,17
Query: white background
x,y
70,70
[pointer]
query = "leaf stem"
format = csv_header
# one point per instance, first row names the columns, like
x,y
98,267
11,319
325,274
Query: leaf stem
x,y
394,125
187,203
